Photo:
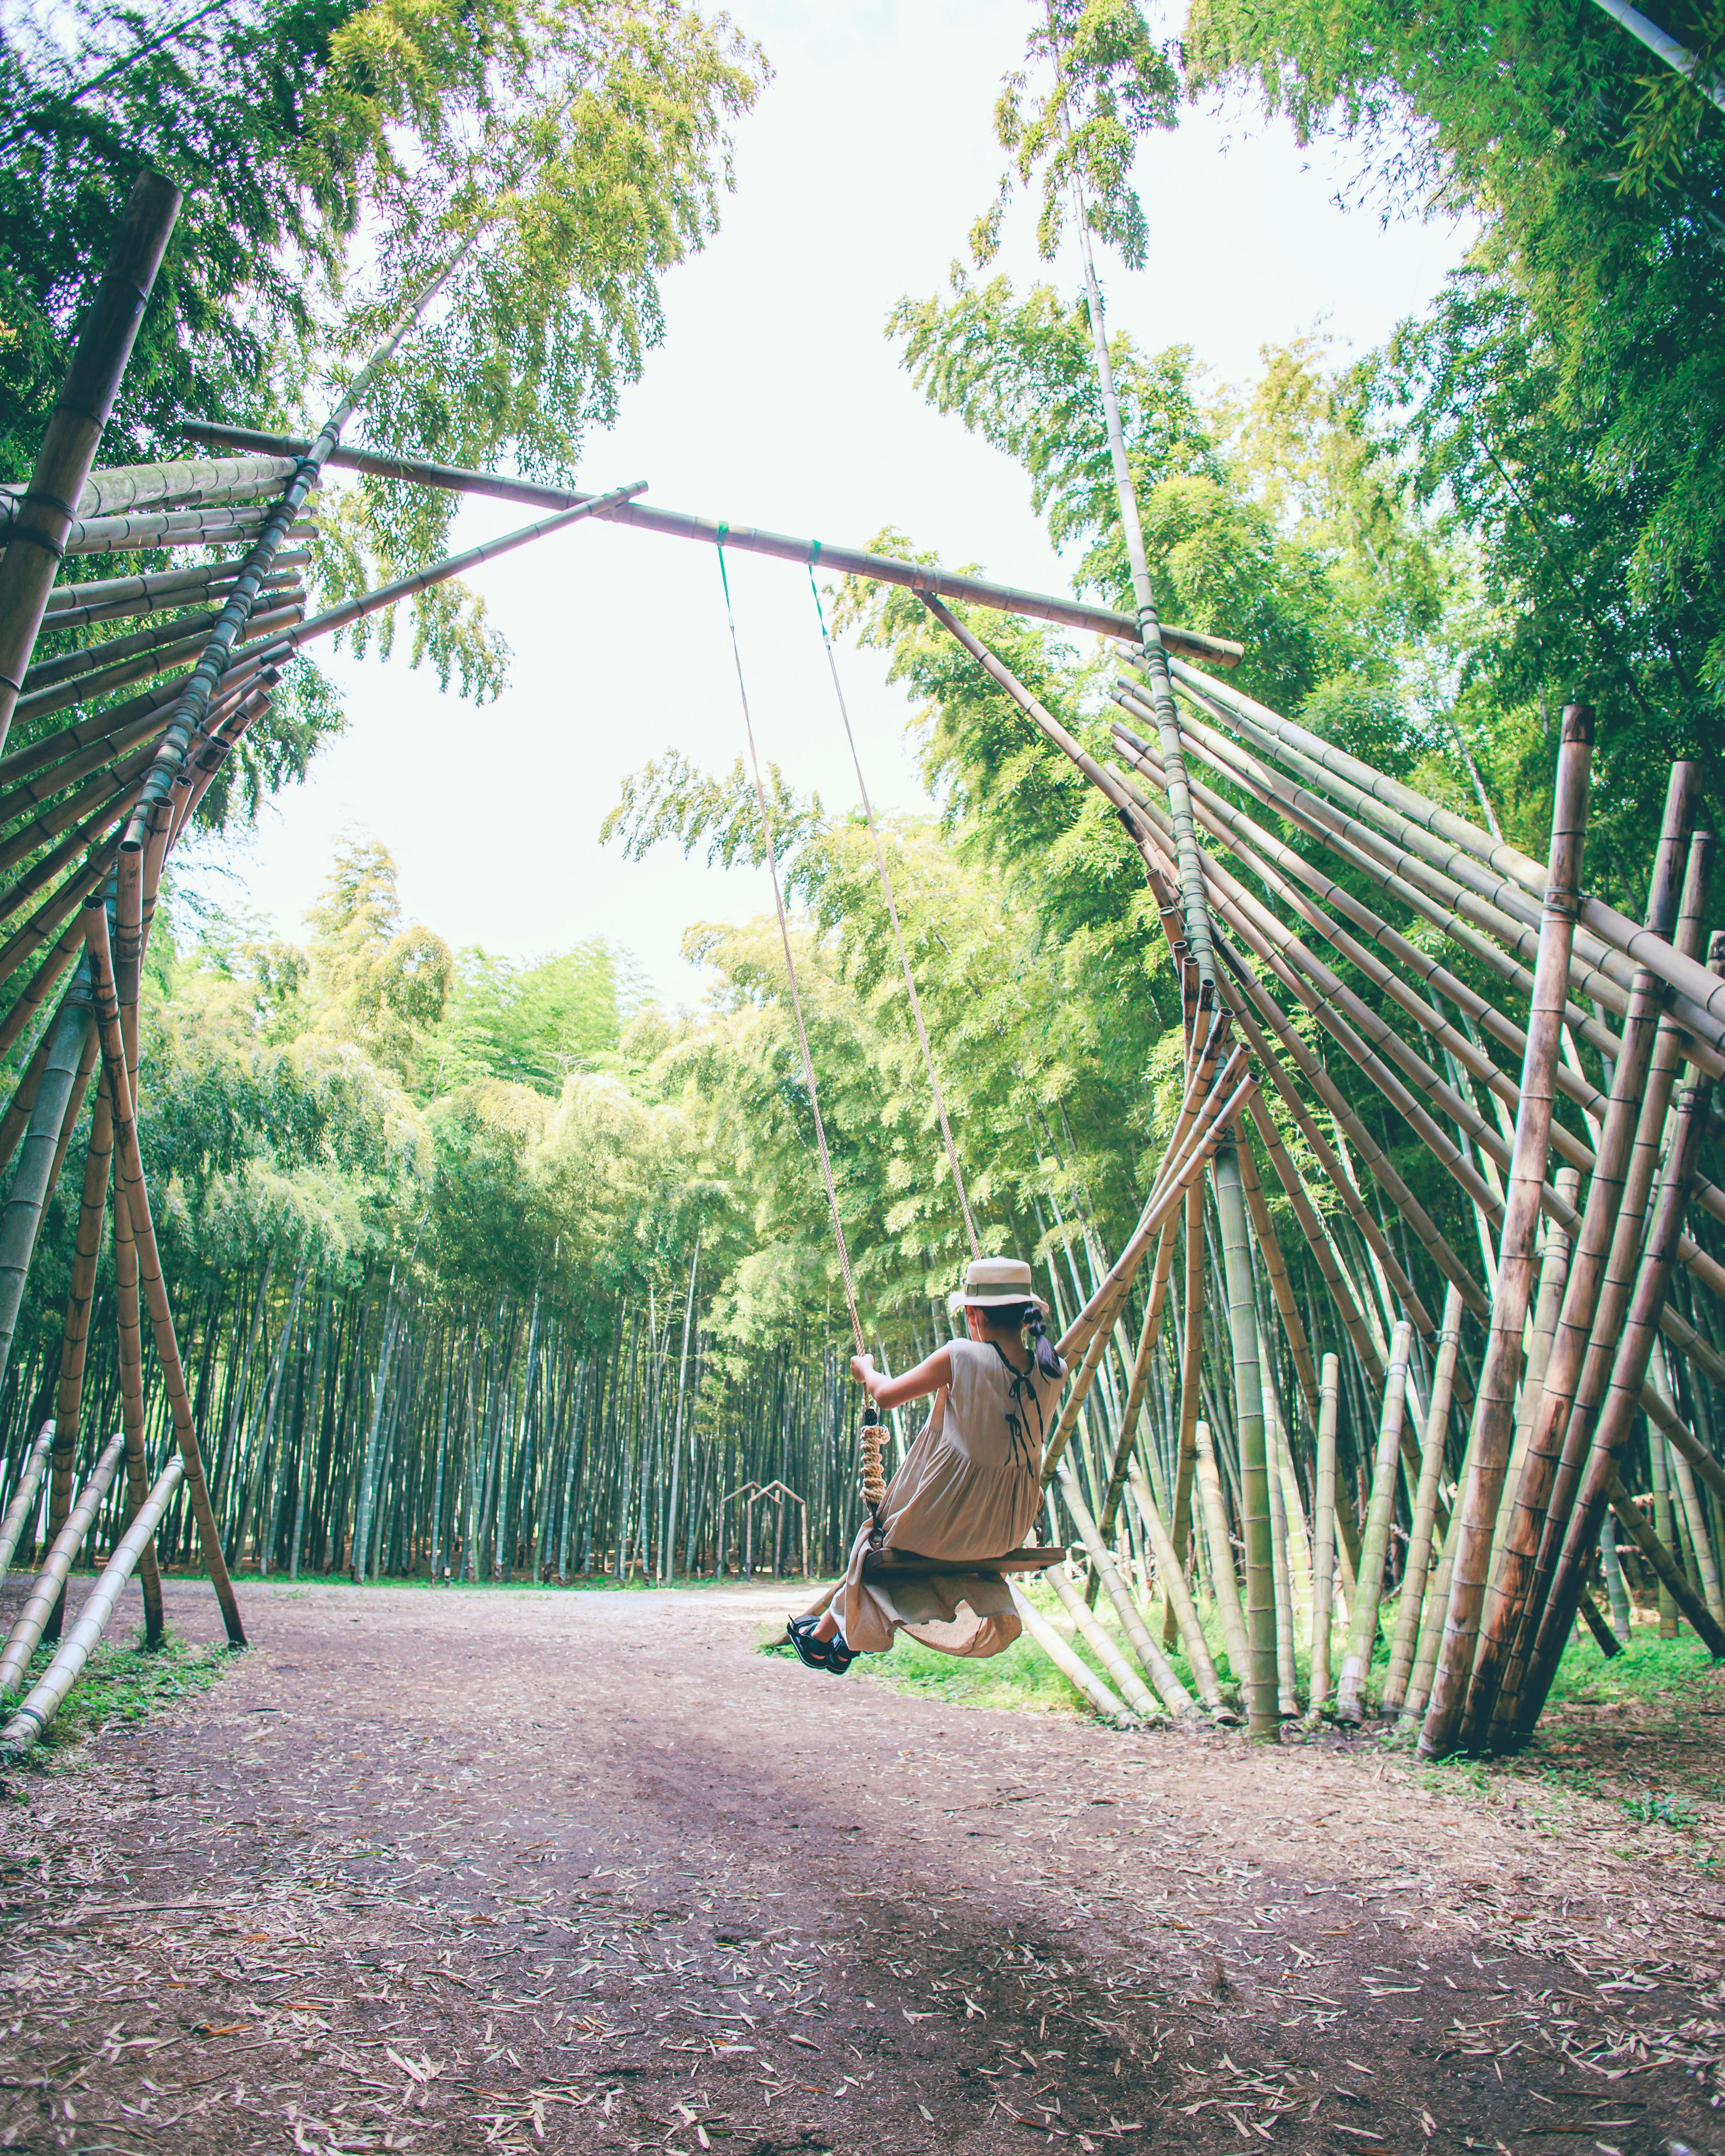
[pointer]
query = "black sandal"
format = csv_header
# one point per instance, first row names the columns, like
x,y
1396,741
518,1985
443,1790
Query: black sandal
x,y
840,1657
811,1652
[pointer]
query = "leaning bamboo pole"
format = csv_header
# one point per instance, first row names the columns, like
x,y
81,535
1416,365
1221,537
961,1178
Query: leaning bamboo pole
x,y
1504,1353
36,536
1074,1668
1223,1584
1424,1511
18,1512
1156,1665
44,1598
1374,1541
22,1218
745,539
1131,1687
33,1712
1515,1582
1262,1714
1171,1575
130,1186
1323,1534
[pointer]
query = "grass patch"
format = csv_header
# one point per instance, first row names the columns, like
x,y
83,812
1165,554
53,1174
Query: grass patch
x,y
119,1684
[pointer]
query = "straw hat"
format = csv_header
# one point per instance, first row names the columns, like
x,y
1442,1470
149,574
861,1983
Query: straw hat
x,y
989,1283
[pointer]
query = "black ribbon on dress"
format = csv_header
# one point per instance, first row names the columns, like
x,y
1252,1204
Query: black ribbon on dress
x,y
1022,1389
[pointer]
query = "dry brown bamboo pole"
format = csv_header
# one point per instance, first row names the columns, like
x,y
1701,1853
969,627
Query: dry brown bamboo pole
x,y
129,1184
1579,1371
44,1598
37,534
38,988
1239,987
17,1118
1139,1384
1605,938
1503,1360
1074,1668
1281,1286
74,606
1131,1687
97,793
23,1498
98,725
1616,1421
1323,1533
1553,1278
1214,1510
1156,1665
1411,1604
23,943
1437,1599
1374,1542
130,1362
108,652
1179,1594
742,538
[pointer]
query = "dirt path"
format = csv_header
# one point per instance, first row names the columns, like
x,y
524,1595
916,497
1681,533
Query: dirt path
x,y
464,1871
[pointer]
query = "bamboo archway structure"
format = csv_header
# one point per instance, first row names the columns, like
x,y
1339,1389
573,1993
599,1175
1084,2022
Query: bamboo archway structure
x,y
1494,1402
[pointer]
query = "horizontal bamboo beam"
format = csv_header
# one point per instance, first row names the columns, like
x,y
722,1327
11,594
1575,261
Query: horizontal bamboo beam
x,y
120,487
745,539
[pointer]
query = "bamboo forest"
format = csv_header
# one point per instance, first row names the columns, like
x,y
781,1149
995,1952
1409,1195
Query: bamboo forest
x,y
1125,1151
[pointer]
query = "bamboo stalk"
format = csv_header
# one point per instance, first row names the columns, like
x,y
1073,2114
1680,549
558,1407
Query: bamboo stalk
x,y
1076,1671
1323,1533
37,536
1424,1511
1281,1286
130,1182
22,1218
1156,1665
18,1512
1672,1577
21,1641
1173,1576
74,606
1140,1381
1287,1693
1263,1719
35,1712
1444,1713
1617,1416
1374,1542
146,665
1191,1374
745,539
1131,1686
1223,1581
114,488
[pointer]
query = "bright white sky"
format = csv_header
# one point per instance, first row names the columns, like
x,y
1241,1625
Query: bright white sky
x,y
776,400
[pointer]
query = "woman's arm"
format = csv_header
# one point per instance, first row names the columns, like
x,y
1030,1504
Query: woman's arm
x,y
916,1384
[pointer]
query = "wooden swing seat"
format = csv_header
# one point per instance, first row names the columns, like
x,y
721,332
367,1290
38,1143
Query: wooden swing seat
x,y
888,1564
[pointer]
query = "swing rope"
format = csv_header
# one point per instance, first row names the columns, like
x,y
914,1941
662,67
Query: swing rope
x,y
790,967
904,956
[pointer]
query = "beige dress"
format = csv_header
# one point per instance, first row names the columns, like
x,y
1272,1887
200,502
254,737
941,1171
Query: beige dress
x,y
970,1486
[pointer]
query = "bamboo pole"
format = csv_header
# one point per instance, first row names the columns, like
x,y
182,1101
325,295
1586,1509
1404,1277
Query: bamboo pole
x,y
1262,1716
1222,1580
1424,1511
146,665
1323,1534
1076,1671
1140,1380
130,1183
1281,1286
129,1358
38,1709
1622,1403
1179,1596
1131,1686
22,1218
1288,1692
1374,1542
76,606
36,537
18,1511
1191,1375
1509,1309
1156,1665
1606,941
1671,1573
745,539
21,1641
116,487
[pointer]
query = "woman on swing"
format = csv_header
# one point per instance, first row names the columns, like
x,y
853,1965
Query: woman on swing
x,y
969,1487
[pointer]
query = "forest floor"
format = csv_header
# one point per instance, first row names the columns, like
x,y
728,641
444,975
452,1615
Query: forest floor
x,y
476,1869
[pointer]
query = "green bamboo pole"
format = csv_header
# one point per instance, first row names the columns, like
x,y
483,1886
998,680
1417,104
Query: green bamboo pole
x,y
1374,1542
1223,1581
1287,1693
1502,1370
22,1218
1131,1686
39,1708
1262,1717
1323,1532
1180,1597
1425,1507
1616,1592
44,1596
1156,1665
18,1511
1077,1672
